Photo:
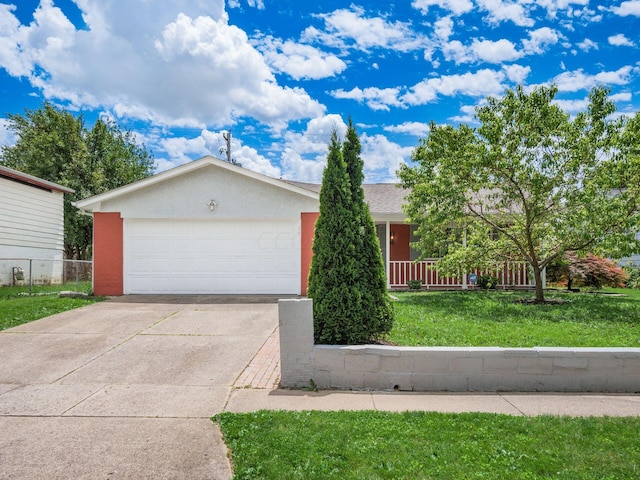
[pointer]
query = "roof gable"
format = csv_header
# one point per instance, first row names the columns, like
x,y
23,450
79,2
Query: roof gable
x,y
93,204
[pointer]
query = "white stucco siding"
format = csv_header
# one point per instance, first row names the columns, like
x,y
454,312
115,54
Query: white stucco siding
x,y
187,196
31,220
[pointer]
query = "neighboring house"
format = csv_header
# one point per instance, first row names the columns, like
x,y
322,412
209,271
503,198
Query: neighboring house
x,y
213,227
31,226
633,259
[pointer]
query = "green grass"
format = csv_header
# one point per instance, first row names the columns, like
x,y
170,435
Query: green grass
x,y
18,307
419,445
495,318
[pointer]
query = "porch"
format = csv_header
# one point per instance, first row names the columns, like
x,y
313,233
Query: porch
x,y
402,266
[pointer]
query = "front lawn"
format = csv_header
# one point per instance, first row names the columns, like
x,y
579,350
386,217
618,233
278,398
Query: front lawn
x,y
419,445
496,318
18,307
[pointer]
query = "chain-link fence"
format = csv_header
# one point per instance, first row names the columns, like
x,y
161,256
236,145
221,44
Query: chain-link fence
x,y
35,273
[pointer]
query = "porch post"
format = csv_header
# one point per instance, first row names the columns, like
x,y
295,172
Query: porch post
x,y
388,255
464,273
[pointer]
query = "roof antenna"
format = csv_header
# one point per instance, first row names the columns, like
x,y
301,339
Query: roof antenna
x,y
227,139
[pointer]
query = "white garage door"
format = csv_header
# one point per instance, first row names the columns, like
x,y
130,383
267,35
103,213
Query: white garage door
x,y
226,257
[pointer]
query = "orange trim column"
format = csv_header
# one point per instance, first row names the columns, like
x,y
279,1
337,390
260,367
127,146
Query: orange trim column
x,y
108,256
307,231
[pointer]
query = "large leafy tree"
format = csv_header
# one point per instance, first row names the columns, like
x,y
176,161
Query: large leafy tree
x,y
530,183
349,306
55,145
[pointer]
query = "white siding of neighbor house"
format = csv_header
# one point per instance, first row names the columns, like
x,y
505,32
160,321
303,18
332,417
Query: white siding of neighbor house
x,y
31,226
186,197
633,259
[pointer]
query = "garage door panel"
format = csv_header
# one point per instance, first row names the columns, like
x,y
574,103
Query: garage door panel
x,y
164,256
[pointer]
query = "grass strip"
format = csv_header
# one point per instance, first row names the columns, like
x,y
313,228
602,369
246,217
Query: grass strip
x,y
495,318
428,445
18,307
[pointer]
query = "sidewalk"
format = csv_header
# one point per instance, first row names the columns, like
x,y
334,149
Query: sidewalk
x,y
257,389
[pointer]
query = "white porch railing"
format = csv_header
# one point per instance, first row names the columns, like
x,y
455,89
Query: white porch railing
x,y
509,274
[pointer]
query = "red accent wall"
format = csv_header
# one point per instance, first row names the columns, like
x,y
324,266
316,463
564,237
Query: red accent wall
x,y
307,229
400,248
108,254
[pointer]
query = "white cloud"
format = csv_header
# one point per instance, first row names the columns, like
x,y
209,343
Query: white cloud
x,y
443,28
298,60
500,11
382,158
620,97
552,6
631,7
482,83
135,68
572,106
495,52
7,137
620,40
418,129
467,114
587,45
457,52
516,73
457,7
375,98
539,39
488,51
350,28
578,80
180,150
304,154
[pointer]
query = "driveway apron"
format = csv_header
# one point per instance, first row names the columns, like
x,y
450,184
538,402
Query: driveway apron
x,y
126,388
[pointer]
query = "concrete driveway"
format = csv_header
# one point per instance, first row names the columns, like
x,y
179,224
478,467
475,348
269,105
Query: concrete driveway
x,y
126,388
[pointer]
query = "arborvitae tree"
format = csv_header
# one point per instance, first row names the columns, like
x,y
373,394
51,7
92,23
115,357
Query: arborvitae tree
x,y
348,305
377,310
336,297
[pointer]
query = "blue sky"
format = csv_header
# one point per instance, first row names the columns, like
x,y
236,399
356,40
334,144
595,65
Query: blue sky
x,y
281,75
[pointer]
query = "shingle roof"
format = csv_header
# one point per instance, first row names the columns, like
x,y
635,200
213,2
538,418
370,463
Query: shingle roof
x,y
383,198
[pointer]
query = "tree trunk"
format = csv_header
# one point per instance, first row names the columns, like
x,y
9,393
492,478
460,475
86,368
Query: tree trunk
x,y
537,276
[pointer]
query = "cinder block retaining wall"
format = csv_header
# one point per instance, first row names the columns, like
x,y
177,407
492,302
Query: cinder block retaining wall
x,y
478,369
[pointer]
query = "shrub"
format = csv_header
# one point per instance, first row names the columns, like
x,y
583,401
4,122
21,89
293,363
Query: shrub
x,y
589,271
487,282
633,276
414,284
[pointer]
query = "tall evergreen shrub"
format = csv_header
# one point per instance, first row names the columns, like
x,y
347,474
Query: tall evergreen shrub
x,y
347,272
377,309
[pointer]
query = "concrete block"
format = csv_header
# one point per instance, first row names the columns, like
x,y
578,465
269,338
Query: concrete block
x,y
499,364
631,366
450,383
431,363
605,365
535,365
327,358
465,366
570,362
382,350
348,380
361,362
422,382
402,363
388,381
322,379
490,383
